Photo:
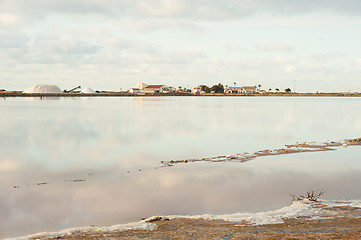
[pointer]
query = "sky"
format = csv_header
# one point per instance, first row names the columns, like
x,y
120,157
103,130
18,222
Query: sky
x,y
308,46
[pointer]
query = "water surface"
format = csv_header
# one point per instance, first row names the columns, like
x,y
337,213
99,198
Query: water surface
x,y
81,161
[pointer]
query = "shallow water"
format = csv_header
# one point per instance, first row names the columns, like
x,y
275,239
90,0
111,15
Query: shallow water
x,y
76,161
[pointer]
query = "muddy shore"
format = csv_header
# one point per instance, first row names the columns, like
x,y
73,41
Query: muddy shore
x,y
304,219
344,227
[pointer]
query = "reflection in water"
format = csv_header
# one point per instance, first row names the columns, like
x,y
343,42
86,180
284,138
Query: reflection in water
x,y
108,197
43,98
77,163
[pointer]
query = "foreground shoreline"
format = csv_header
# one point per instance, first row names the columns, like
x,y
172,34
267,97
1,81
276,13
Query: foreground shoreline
x,y
182,229
304,219
5,94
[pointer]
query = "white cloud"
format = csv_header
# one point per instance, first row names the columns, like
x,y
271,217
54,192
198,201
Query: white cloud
x,y
329,56
160,8
181,40
185,9
277,47
151,25
9,19
13,39
357,62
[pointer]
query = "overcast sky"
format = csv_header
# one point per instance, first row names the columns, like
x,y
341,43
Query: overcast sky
x,y
112,44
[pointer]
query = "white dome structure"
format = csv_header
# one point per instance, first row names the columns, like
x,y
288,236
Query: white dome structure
x,y
87,90
42,88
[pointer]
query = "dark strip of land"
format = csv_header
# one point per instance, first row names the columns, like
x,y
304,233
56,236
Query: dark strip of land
x,y
125,94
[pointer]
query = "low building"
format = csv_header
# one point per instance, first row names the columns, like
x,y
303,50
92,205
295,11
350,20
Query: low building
x,y
234,90
145,88
134,90
155,89
141,85
238,90
249,89
196,90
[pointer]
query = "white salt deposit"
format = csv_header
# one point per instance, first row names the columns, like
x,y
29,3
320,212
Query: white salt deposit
x,y
87,90
42,88
121,227
298,209
307,209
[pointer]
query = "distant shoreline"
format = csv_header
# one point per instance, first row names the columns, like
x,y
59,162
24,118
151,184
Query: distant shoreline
x,y
5,94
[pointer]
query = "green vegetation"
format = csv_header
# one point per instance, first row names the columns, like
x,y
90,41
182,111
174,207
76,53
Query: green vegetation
x,y
219,88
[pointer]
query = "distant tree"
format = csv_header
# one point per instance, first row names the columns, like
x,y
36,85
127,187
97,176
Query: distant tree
x,y
180,88
205,88
288,90
270,89
234,83
259,87
217,88
277,89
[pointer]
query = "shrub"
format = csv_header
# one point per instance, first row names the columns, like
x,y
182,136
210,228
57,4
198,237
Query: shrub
x,y
310,195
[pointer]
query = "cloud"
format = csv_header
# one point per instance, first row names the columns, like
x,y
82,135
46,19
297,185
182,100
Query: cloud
x,y
7,20
328,56
13,39
357,62
274,47
142,26
12,11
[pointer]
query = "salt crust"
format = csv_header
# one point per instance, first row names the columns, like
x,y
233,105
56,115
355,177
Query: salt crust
x,y
327,145
304,209
307,209
120,227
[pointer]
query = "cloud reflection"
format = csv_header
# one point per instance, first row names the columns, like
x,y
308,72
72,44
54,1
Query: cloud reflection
x,y
53,141
112,197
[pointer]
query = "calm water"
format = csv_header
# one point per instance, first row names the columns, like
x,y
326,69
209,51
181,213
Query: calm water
x,y
82,161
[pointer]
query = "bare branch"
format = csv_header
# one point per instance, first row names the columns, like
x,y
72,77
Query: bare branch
x,y
310,195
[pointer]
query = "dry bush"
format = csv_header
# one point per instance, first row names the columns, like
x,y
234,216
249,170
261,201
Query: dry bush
x,y
310,195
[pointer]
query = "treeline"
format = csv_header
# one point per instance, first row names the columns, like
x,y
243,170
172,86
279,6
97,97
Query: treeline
x,y
219,88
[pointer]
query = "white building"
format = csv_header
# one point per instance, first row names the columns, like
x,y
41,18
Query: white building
x,y
141,86
249,89
246,89
196,90
145,88
134,90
